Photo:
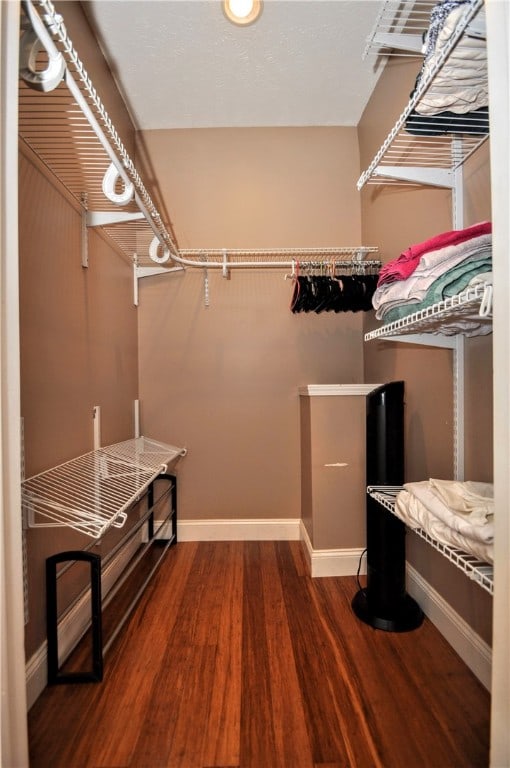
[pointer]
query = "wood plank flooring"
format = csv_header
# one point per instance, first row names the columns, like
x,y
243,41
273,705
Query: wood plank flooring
x,y
236,658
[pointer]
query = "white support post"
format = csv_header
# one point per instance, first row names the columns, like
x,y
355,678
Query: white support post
x,y
137,417
84,240
458,352
96,415
136,297
457,188
458,408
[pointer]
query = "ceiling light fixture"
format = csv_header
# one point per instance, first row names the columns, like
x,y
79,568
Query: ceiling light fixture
x,y
242,12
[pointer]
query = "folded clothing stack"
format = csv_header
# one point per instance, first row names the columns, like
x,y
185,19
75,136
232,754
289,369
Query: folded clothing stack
x,y
433,270
456,101
457,513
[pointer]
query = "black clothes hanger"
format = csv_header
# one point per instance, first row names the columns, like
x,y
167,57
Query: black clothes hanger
x,y
334,292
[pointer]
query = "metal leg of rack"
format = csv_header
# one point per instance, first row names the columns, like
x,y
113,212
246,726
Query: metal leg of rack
x,y
96,673
98,649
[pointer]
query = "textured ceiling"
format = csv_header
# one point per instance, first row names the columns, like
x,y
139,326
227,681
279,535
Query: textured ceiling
x,y
182,64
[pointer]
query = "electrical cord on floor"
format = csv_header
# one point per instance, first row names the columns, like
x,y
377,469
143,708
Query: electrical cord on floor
x,y
362,589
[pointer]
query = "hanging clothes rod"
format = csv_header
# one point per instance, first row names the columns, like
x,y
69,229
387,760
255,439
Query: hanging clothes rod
x,y
281,257
112,163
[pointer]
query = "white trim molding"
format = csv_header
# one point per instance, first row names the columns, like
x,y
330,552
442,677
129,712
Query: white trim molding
x,y
239,530
332,562
335,390
472,649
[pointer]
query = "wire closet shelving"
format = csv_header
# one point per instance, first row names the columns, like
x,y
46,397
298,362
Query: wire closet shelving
x,y
94,491
408,159
64,122
431,160
473,567
447,317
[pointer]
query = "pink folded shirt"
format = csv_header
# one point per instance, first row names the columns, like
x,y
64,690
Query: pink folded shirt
x,y
401,268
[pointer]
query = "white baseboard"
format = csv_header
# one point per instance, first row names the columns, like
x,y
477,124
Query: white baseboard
x,y
472,649
73,625
332,562
239,530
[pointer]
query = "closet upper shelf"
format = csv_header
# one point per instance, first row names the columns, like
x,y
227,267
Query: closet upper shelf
x,y
469,313
94,492
431,155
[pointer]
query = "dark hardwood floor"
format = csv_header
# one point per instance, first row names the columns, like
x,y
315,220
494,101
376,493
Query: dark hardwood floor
x,y
236,658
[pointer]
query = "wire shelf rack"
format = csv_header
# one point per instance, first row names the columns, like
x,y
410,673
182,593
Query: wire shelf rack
x,y
473,567
467,312
431,154
93,492
65,123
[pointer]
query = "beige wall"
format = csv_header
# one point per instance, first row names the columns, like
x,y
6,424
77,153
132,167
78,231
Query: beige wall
x,y
78,350
224,380
395,218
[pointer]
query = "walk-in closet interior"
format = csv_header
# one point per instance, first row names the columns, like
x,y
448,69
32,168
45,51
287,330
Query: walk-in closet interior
x,y
199,302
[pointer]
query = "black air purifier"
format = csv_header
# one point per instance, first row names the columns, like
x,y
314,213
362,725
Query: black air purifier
x,y
384,603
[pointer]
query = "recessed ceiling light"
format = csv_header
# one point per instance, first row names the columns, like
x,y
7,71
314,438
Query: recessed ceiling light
x,y
242,12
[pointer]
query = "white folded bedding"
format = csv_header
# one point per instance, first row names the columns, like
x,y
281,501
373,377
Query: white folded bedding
x,y
419,507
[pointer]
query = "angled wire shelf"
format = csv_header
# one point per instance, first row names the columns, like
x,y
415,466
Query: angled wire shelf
x,y
473,567
468,311
93,492
430,150
399,28
64,122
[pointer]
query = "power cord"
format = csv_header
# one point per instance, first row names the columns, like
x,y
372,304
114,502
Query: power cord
x,y
362,589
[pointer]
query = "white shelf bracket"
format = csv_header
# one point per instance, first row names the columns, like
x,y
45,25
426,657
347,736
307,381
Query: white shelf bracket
x,y
403,42
425,339
104,218
434,177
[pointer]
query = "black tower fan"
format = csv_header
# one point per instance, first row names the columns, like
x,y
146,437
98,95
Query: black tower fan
x,y
384,603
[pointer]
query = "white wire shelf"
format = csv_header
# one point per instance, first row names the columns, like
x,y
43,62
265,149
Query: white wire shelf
x,y
446,317
399,28
421,158
93,492
473,567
